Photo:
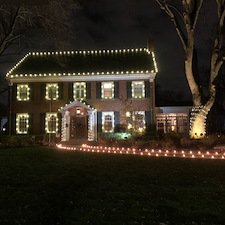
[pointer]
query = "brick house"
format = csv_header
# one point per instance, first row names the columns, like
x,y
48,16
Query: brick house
x,y
80,94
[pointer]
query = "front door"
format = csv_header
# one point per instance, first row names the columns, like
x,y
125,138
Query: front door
x,y
78,123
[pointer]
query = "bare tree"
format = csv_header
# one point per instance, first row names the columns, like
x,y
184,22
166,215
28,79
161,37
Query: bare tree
x,y
19,19
185,15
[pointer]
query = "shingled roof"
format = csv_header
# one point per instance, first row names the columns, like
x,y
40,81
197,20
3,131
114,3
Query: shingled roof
x,y
85,63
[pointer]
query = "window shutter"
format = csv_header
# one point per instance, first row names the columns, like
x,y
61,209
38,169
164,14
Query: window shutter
x,y
116,90
60,91
148,119
43,91
99,119
60,122
129,94
42,123
31,124
117,121
32,86
88,90
147,89
70,91
98,90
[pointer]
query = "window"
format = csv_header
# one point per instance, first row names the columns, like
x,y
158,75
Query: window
x,y
52,91
22,123
23,92
107,121
138,89
107,90
139,121
79,91
51,123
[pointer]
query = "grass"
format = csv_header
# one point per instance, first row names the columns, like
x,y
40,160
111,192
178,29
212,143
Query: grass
x,y
47,186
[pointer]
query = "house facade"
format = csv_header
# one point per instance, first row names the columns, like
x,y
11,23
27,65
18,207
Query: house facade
x,y
79,94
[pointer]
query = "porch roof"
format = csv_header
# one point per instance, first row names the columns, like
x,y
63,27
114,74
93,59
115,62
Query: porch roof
x,y
76,103
75,63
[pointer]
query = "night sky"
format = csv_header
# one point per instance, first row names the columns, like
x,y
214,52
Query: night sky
x,y
107,24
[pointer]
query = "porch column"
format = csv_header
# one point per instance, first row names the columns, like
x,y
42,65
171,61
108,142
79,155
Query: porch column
x,y
66,126
92,125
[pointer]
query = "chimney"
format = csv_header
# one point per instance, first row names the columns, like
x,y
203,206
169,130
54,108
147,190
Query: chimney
x,y
150,45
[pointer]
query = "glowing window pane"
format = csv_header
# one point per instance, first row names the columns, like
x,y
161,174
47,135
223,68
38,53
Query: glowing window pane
x,y
23,92
22,123
139,121
52,91
79,90
107,90
108,121
51,123
138,89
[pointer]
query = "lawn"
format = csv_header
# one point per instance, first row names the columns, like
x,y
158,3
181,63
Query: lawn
x,y
50,187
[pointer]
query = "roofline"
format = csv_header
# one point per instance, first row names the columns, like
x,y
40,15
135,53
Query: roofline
x,y
104,77
10,73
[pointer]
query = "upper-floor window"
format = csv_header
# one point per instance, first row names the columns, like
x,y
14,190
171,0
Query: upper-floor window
x,y
22,123
138,89
107,121
23,92
52,91
107,90
51,123
79,90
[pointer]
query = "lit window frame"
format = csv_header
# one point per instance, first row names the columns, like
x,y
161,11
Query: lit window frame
x,y
103,121
47,128
80,86
47,91
25,118
19,92
135,95
103,84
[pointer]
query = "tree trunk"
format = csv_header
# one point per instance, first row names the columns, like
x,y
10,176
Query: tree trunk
x,y
199,116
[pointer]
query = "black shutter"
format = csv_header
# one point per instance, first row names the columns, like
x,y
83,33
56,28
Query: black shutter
x,y
32,91
31,123
116,90
60,91
129,94
88,90
117,121
42,123
99,120
98,89
43,91
147,89
148,119
60,122
70,91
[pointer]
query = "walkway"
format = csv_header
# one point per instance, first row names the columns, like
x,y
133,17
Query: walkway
x,y
212,154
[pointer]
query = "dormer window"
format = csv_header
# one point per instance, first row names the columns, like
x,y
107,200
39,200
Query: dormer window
x,y
23,92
